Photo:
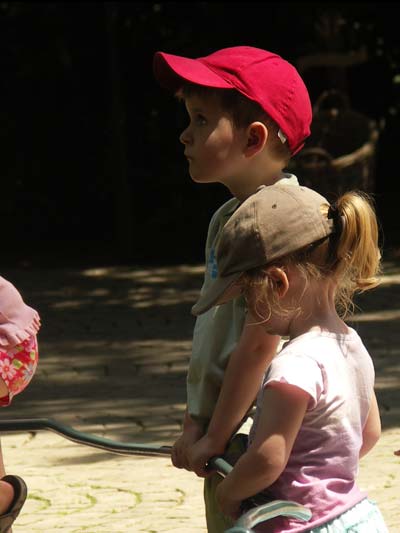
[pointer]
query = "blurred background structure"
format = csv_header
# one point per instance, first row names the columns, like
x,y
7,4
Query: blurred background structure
x,y
91,166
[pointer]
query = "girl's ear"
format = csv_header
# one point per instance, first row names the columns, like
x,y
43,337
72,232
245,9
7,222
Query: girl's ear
x,y
257,135
280,279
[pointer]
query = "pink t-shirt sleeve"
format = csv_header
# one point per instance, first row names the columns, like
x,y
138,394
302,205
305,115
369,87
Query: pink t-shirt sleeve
x,y
18,321
298,370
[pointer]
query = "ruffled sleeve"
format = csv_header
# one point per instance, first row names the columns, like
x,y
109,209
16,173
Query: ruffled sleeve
x,y
18,321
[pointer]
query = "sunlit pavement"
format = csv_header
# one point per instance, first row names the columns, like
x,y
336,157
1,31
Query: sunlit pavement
x,y
114,349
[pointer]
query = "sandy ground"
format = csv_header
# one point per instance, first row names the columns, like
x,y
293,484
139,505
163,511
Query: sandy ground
x,y
114,351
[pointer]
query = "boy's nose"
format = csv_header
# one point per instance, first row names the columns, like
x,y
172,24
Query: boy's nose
x,y
184,137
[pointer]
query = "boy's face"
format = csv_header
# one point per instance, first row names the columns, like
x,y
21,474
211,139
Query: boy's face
x,y
213,146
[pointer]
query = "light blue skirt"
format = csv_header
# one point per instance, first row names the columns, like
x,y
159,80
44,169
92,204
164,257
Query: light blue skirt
x,y
365,517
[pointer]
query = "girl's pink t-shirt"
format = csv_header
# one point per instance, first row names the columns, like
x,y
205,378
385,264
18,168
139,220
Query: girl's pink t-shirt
x,y
338,374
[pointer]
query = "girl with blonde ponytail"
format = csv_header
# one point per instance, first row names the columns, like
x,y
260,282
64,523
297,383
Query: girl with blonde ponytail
x,y
299,261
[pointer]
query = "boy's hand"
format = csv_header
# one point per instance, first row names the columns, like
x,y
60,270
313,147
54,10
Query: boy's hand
x,y
228,506
192,432
200,453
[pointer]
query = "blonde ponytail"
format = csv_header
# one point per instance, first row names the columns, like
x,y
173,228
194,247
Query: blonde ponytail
x,y
358,255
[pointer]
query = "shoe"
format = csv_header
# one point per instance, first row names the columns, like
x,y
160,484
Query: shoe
x,y
20,494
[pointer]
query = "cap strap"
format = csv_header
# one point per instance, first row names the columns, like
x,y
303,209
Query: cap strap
x,y
282,136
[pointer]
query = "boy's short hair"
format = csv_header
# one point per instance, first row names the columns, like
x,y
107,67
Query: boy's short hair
x,y
260,76
242,112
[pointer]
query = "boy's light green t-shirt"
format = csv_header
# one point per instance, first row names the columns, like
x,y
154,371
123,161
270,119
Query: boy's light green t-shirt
x,y
216,332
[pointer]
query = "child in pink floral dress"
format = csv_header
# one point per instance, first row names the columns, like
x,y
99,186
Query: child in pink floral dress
x,y
19,325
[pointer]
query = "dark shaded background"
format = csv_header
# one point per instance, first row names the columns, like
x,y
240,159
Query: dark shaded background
x,y
91,166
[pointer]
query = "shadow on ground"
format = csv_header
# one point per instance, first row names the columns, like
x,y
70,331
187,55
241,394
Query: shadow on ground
x,y
115,344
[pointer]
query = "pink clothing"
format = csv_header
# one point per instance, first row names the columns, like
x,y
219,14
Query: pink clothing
x,y
18,321
19,325
337,372
17,367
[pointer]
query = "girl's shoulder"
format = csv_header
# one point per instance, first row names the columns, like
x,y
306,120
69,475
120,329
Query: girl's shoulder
x,y
316,337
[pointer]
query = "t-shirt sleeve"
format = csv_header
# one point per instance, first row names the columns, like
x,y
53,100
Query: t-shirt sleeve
x,y
18,321
298,370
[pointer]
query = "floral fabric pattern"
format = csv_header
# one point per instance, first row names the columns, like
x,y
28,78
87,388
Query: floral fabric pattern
x,y
17,367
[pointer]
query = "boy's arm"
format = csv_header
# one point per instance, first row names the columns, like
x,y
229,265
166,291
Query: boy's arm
x,y
192,432
242,380
282,414
372,429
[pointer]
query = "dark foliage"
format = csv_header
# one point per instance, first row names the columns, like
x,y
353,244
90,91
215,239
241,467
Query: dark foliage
x,y
91,164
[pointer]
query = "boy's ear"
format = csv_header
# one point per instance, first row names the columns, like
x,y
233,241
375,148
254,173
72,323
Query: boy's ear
x,y
257,135
280,279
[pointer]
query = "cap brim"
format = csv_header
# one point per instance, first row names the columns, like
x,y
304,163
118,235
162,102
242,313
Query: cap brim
x,y
220,291
171,71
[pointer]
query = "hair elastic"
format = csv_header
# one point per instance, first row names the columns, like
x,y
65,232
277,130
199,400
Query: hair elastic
x,y
338,224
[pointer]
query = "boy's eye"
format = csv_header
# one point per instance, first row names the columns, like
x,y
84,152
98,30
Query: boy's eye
x,y
200,119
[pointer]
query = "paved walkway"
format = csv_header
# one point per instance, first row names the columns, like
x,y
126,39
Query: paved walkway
x,y
114,350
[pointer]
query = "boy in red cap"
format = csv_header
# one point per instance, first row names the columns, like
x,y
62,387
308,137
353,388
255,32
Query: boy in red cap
x,y
249,113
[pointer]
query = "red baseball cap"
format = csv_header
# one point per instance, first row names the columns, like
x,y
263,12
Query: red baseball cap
x,y
261,76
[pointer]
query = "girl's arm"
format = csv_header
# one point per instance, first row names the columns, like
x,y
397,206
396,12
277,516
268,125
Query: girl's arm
x,y
242,380
282,414
372,428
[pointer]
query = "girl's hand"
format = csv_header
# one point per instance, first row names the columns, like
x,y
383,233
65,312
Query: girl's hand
x,y
228,506
200,453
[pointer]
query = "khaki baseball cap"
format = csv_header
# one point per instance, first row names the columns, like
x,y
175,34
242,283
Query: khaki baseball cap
x,y
272,223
